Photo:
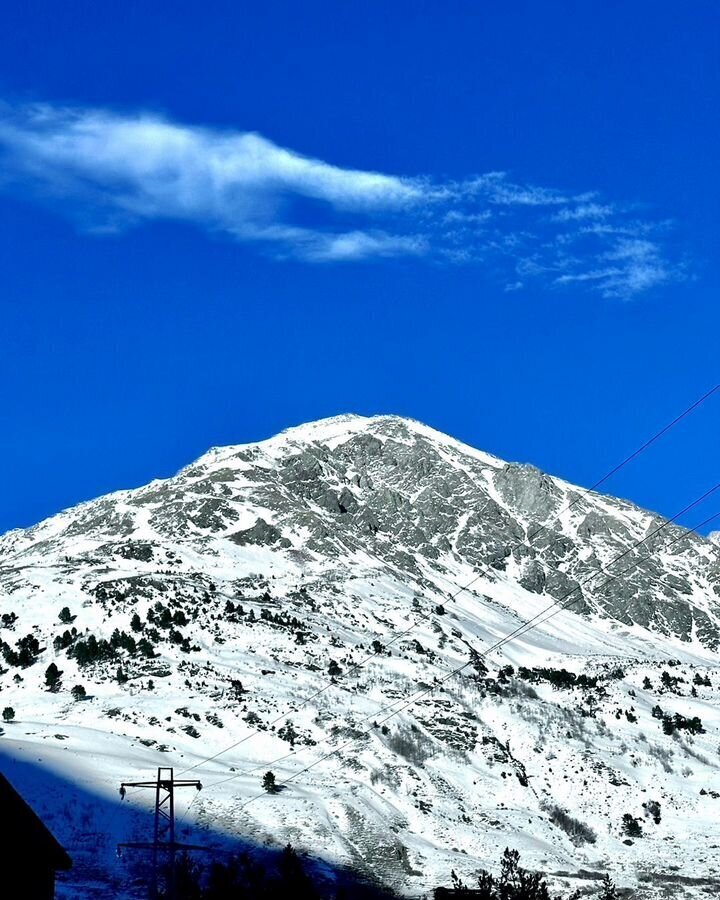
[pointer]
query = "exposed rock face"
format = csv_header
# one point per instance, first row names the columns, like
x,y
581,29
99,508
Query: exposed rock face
x,y
406,494
260,533
400,492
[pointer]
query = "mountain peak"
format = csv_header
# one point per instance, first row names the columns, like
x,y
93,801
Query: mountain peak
x,y
335,430
337,569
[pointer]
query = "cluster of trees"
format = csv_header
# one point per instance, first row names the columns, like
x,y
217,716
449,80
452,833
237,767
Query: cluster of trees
x,y
513,883
91,650
677,722
670,682
235,612
558,678
165,618
282,619
245,878
27,653
65,640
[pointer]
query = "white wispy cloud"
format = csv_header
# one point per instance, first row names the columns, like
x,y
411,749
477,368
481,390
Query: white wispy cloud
x,y
112,171
584,211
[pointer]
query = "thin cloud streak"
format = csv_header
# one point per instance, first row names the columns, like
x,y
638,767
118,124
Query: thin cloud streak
x,y
111,172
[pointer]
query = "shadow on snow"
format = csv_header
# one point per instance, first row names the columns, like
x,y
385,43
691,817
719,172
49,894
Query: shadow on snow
x,y
90,827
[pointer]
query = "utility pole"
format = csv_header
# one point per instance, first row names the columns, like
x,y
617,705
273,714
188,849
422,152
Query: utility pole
x,y
164,826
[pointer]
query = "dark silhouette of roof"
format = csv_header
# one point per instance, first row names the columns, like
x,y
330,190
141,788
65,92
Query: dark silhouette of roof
x,y
21,830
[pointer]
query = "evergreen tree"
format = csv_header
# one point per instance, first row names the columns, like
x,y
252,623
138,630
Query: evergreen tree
x,y
269,783
334,669
294,881
146,648
136,623
8,714
53,676
608,891
514,883
78,692
66,617
237,688
631,826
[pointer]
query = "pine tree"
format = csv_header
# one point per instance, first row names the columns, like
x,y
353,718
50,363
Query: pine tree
x,y
334,669
8,714
78,692
294,881
66,617
53,675
237,688
609,891
269,783
631,826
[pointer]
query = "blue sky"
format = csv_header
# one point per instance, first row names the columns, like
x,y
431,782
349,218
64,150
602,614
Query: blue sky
x,y
220,220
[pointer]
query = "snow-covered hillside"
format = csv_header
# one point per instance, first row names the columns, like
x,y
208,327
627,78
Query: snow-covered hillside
x,y
292,565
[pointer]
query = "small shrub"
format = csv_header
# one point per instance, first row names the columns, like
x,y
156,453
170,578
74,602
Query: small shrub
x,y
652,809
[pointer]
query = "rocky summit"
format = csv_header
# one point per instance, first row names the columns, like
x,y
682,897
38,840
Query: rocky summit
x,y
323,605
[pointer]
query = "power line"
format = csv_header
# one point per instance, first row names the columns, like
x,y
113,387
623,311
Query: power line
x,y
558,605
484,569
414,699
659,581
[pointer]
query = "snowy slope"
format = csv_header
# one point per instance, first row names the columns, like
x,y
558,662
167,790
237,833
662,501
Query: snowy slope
x,y
349,531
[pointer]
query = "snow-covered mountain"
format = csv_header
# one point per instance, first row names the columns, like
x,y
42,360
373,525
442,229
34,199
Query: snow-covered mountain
x,y
322,569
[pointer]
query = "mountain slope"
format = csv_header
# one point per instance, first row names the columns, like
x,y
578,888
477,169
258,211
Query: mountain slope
x,y
267,562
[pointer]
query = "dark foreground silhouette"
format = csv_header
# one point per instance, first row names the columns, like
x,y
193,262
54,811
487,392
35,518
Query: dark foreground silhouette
x,y
515,883
90,827
247,876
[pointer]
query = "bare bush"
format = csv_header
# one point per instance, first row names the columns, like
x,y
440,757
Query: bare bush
x,y
663,755
577,831
412,744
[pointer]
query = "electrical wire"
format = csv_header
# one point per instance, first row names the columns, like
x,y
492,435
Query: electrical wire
x,y
534,622
484,569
